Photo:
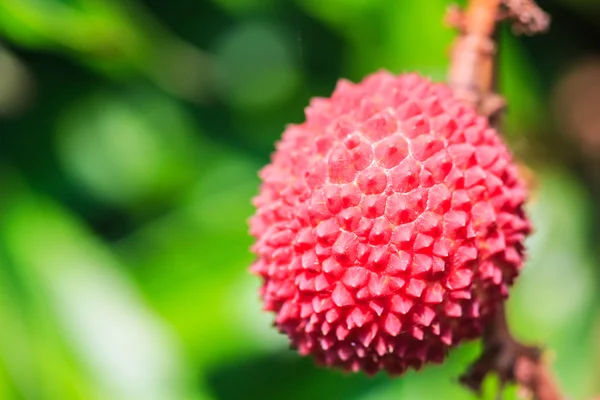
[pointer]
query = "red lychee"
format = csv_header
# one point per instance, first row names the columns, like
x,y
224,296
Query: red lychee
x,y
388,226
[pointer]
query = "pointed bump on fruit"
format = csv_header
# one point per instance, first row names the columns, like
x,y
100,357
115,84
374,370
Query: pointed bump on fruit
x,y
341,296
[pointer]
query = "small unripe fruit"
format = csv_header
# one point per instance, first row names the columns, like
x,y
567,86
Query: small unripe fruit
x,y
388,226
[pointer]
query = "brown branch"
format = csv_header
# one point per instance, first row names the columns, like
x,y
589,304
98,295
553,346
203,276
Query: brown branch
x,y
472,73
473,54
473,77
536,378
513,362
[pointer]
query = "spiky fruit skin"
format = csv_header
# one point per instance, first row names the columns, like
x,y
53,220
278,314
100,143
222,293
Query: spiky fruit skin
x,y
388,226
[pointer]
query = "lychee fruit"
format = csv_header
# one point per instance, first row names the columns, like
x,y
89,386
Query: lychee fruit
x,y
388,226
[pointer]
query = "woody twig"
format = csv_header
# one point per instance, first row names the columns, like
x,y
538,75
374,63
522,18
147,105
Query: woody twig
x,y
473,68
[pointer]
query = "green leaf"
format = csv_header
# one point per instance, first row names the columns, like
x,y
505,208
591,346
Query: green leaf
x,y
193,264
520,83
255,66
117,38
138,149
85,307
415,39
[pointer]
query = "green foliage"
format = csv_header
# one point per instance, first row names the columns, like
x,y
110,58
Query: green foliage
x,y
133,149
125,188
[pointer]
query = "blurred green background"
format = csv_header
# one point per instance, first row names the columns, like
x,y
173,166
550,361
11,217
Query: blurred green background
x,y
131,132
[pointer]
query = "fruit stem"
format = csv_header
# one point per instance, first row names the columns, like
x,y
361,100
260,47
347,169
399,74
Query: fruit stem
x,y
472,72
472,76
513,362
473,68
